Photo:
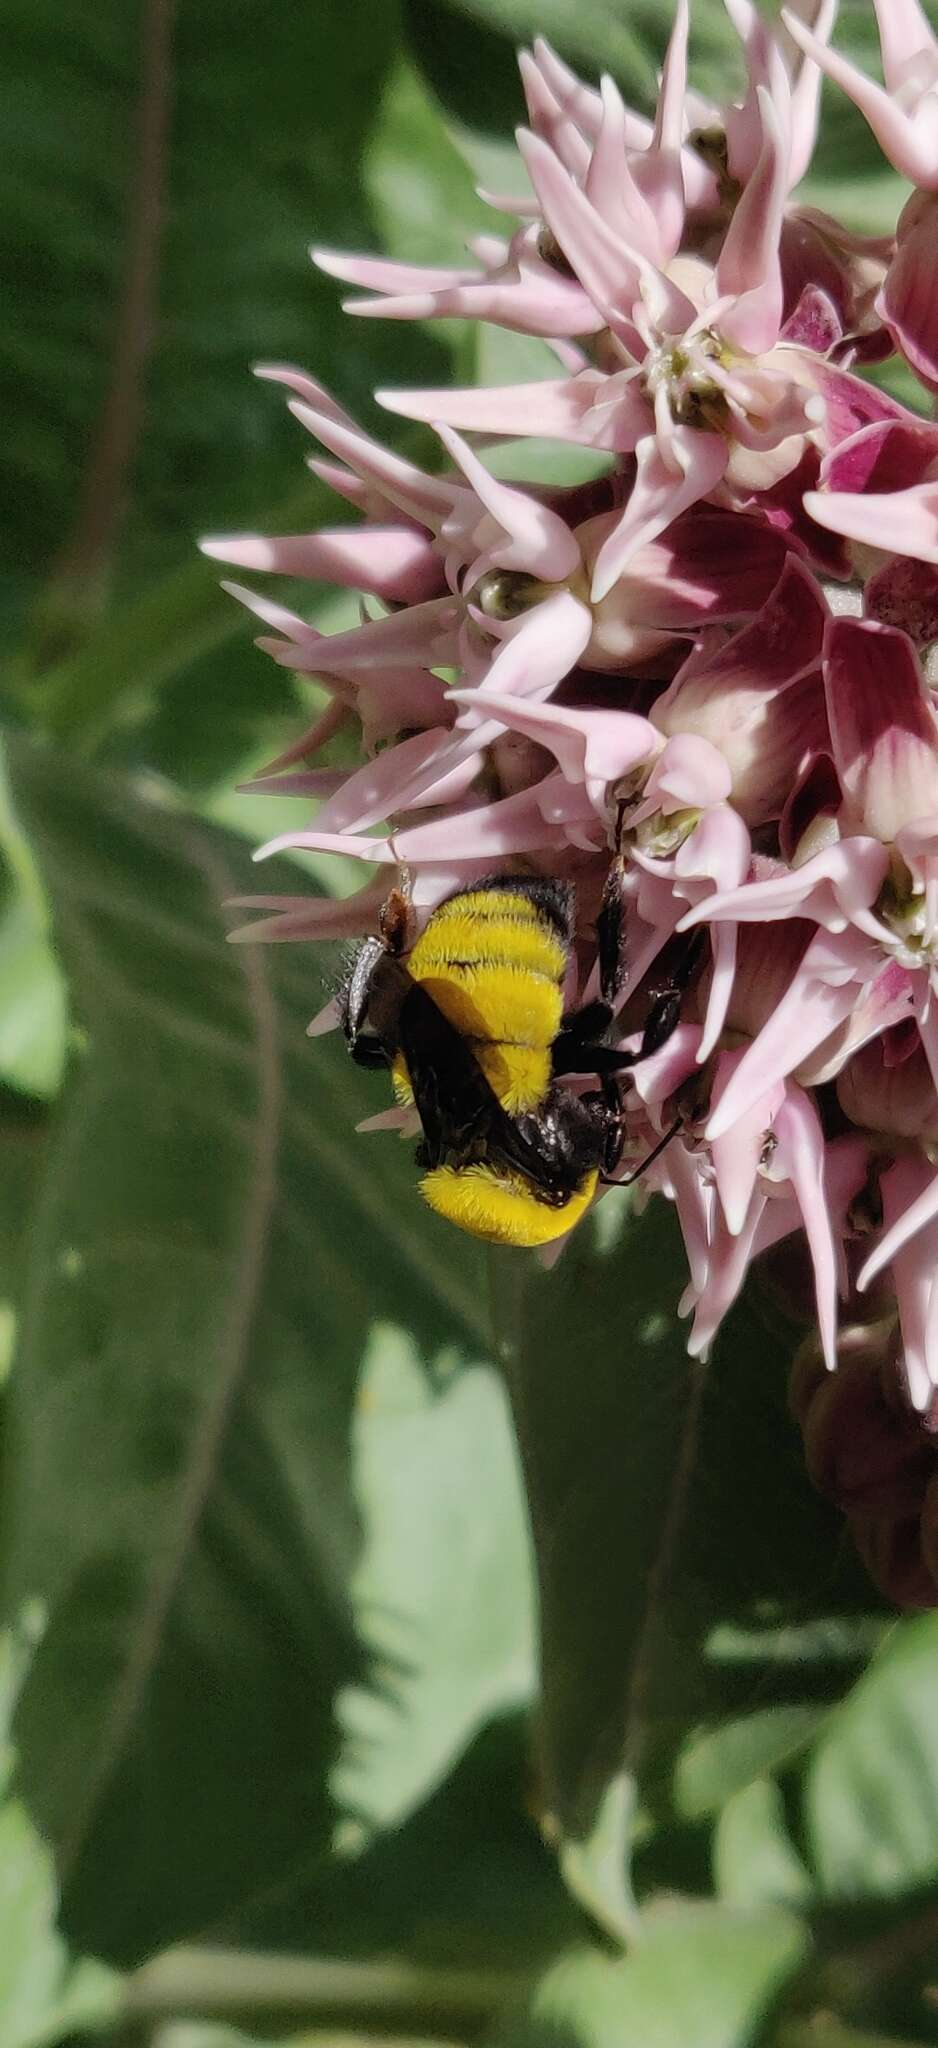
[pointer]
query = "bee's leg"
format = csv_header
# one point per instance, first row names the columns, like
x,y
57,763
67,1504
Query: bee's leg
x,y
584,1026
665,1012
610,935
573,1054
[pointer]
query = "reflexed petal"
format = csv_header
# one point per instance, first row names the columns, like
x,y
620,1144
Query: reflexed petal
x,y
748,267
397,563
883,729
910,148
659,495
539,541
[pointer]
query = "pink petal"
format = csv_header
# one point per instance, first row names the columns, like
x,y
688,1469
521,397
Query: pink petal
x,y
551,119
659,496
515,824
783,641
539,541
356,847
805,99
532,662
904,593
833,887
817,1001
426,498
904,34
729,1262
378,274
849,403
589,746
908,302
610,186
310,917
909,149
722,977
395,563
709,565
910,518
372,793
659,171
693,1202
267,610
919,1192
420,632
559,408
886,455
884,733
910,1205
308,388
748,266
606,266
579,101
737,1154
801,1157
689,774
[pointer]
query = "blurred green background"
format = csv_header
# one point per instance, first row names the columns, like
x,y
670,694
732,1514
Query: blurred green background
x,y
270,1759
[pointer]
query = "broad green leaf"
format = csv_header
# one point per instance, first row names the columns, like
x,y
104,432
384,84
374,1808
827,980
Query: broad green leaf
x,y
871,1794
45,1995
701,1976
676,1535
213,1247
263,156
755,1862
443,1591
419,187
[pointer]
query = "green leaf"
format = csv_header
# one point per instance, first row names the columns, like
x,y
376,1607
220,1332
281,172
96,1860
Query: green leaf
x,y
213,1247
45,1995
701,1976
716,1763
32,994
443,1591
591,31
755,1862
676,1535
871,1793
264,154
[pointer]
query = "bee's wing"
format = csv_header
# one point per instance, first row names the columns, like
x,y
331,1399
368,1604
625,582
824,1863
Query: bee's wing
x,y
458,1109
454,1100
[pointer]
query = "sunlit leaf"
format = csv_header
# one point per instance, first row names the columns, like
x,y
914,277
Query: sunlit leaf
x,y
700,1976
443,1592
871,1796
676,1535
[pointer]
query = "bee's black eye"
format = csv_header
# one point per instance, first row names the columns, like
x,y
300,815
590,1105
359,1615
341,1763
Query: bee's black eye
x,y
505,593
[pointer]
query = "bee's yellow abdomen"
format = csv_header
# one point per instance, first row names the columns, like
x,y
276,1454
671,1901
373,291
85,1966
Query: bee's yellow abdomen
x,y
494,965
491,1203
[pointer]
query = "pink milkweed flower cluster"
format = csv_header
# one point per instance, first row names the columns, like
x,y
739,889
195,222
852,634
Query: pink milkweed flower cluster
x,y
710,669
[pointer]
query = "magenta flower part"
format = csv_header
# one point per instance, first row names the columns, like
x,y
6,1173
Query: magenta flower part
x,y
704,681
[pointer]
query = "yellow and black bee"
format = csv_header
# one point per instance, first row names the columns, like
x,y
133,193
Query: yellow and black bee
x,y
473,1030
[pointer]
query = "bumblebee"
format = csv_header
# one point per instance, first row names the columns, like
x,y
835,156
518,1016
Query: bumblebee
x,y
471,1025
